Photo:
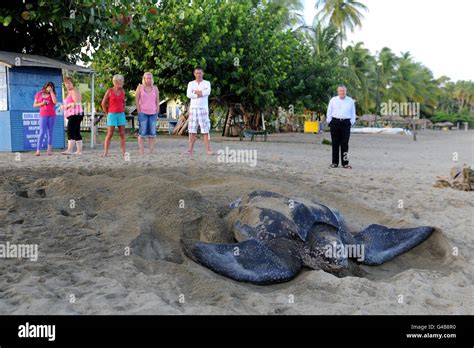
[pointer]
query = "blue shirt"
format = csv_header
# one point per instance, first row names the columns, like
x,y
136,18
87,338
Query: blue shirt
x,y
341,108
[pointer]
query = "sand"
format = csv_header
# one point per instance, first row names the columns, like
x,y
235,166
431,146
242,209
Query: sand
x,y
108,230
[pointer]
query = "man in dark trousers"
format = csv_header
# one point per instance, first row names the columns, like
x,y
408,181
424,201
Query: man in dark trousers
x,y
340,117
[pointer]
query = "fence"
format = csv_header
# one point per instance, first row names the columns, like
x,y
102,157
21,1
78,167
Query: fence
x,y
163,124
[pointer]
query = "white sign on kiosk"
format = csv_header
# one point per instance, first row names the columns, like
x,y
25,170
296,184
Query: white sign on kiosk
x,y
31,130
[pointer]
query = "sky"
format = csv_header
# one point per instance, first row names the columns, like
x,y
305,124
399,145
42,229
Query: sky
x,y
437,33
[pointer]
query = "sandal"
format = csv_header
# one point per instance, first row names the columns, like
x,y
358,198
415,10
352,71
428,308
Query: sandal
x,y
347,166
187,152
333,166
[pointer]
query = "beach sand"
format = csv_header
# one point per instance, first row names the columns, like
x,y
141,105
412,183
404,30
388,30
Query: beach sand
x,y
108,230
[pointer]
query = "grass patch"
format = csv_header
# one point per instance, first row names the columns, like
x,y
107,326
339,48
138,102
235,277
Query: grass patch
x,y
326,142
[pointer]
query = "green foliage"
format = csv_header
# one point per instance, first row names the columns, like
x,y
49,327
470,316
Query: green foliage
x,y
463,116
343,14
358,74
326,142
399,79
243,47
98,95
250,50
319,74
455,96
60,29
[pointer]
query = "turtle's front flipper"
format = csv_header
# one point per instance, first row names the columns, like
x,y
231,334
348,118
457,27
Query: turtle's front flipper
x,y
380,244
248,261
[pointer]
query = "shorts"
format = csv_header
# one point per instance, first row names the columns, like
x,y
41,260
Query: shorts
x,y
116,119
198,116
147,125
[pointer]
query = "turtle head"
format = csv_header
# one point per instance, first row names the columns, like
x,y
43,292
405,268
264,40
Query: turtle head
x,y
324,249
236,204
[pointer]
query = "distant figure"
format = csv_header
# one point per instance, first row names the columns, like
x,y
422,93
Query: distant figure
x,y
147,100
340,117
73,112
198,91
113,106
45,100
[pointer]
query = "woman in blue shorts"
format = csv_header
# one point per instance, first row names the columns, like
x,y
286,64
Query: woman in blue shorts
x,y
113,105
147,99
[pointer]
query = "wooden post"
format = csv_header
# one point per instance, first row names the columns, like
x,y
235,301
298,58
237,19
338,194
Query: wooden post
x,y
225,121
414,128
93,133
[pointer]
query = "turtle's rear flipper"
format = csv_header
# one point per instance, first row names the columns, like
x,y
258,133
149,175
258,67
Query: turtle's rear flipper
x,y
382,244
248,261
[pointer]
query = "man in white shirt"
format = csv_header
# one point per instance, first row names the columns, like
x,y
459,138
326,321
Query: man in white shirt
x,y
198,91
340,117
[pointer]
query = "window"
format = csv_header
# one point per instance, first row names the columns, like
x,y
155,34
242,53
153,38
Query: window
x,y
3,89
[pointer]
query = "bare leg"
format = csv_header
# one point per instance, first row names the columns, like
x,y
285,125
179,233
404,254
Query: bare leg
x,y
79,147
70,147
141,145
122,139
50,150
192,141
207,143
151,145
108,139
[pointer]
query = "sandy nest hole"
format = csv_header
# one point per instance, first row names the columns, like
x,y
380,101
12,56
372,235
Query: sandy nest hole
x,y
151,210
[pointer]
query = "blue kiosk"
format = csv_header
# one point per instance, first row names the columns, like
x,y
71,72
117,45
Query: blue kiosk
x,y
21,77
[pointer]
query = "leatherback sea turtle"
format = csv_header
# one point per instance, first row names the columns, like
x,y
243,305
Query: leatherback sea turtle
x,y
278,235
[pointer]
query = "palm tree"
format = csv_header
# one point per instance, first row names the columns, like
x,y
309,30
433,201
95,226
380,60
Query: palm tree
x,y
401,86
343,14
293,9
358,75
462,93
455,96
322,40
470,96
386,63
404,80
446,102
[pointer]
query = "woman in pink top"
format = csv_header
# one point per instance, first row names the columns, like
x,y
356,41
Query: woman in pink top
x,y
45,100
147,100
73,112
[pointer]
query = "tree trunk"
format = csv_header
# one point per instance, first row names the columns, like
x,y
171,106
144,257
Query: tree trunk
x,y
256,120
228,123
247,118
